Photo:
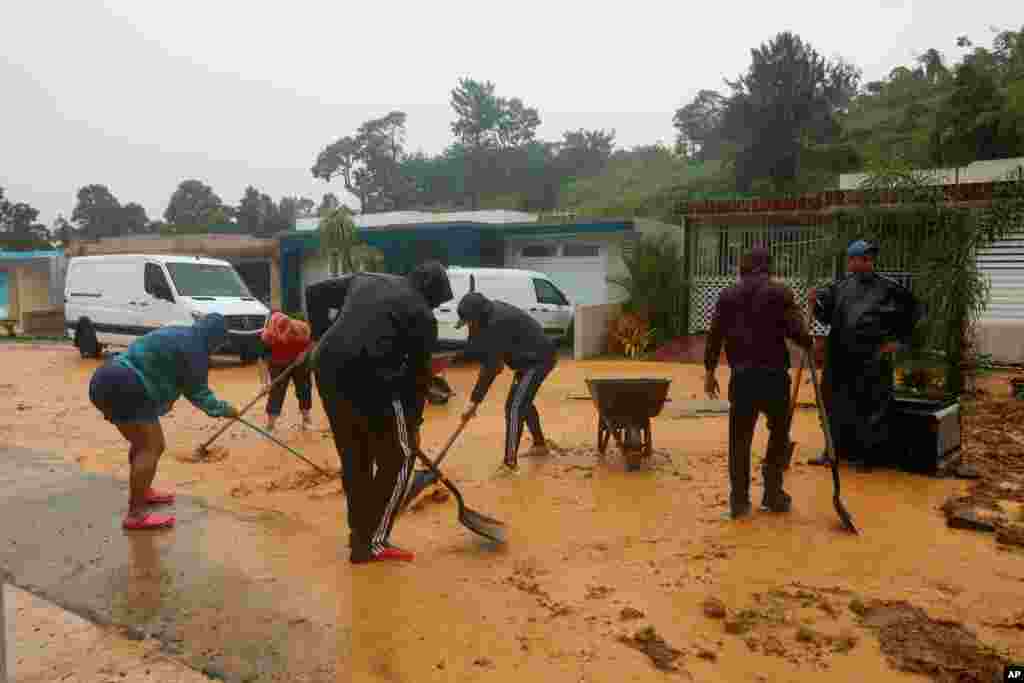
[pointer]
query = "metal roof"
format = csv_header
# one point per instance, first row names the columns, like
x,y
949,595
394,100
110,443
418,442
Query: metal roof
x,y
398,218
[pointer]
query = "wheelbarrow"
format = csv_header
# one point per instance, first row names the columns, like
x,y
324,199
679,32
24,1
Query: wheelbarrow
x,y
624,411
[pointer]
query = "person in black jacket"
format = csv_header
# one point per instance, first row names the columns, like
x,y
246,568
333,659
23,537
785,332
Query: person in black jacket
x,y
502,334
373,370
870,317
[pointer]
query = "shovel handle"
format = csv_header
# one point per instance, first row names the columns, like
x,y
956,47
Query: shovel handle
x,y
283,377
796,389
451,440
285,446
830,447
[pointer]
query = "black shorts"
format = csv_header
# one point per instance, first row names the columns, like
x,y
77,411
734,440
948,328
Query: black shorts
x,y
120,395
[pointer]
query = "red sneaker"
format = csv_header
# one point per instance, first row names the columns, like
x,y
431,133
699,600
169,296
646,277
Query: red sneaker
x,y
390,552
154,497
134,523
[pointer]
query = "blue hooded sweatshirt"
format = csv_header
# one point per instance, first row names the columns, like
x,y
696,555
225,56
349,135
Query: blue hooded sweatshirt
x,y
175,360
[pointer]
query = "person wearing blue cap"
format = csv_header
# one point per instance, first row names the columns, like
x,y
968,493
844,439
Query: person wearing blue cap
x,y
870,317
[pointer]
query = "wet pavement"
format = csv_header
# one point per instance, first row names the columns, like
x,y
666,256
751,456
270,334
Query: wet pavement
x,y
211,591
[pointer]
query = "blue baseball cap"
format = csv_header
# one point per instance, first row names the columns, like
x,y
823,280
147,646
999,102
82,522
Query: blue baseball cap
x,y
862,248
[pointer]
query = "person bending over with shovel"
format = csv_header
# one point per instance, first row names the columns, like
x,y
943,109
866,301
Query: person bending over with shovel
x,y
501,334
373,371
286,339
753,319
138,387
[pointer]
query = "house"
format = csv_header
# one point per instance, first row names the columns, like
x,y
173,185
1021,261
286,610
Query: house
x,y
579,256
32,291
255,258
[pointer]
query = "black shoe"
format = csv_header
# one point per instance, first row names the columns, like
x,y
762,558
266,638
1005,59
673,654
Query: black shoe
x,y
738,510
780,502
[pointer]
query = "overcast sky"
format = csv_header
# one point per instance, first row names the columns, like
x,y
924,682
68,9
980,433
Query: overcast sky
x,y
141,94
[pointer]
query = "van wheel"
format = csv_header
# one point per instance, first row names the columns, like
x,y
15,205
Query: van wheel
x,y
85,340
570,334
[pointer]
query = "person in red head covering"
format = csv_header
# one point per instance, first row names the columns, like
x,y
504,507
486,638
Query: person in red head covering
x,y
286,339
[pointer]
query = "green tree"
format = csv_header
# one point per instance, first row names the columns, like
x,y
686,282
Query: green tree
x,y
18,227
370,164
329,203
305,206
134,218
192,203
585,153
788,100
98,213
699,126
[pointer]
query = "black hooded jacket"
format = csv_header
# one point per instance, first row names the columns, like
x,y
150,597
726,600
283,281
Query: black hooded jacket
x,y
387,329
507,335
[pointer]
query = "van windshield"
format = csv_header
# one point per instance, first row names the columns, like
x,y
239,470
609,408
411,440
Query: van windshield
x,y
204,279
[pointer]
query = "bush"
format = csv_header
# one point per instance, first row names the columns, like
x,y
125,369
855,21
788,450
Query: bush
x,y
629,334
656,285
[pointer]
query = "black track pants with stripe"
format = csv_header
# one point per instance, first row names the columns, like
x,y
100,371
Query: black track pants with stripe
x,y
519,408
375,448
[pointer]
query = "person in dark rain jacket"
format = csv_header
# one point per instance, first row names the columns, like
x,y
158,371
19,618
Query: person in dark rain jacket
x,y
871,317
373,371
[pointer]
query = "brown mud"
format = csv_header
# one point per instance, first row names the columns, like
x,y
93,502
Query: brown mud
x,y
595,553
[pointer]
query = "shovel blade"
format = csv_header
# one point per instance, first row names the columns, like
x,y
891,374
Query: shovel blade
x,y
483,525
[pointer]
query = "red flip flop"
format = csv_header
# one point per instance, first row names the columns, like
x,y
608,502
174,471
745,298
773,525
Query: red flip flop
x,y
148,522
154,497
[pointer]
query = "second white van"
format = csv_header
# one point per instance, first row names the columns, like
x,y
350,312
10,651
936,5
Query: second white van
x,y
115,299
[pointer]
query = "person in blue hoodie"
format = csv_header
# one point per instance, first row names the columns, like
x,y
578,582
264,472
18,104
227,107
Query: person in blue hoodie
x,y
139,386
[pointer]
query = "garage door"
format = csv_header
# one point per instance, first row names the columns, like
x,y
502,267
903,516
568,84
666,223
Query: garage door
x,y
1003,263
578,269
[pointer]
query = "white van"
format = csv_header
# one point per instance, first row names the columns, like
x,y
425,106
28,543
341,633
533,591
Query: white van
x,y
115,299
533,292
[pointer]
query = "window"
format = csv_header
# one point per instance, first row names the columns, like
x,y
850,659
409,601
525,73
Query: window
x,y
156,283
582,250
540,251
207,279
548,294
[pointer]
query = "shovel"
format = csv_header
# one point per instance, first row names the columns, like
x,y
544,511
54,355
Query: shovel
x,y
312,355
430,478
792,411
478,523
841,510
204,449
285,446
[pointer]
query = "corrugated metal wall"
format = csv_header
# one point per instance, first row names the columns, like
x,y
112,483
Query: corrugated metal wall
x,y
1003,263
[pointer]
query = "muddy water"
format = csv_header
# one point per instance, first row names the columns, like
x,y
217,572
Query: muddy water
x,y
587,540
